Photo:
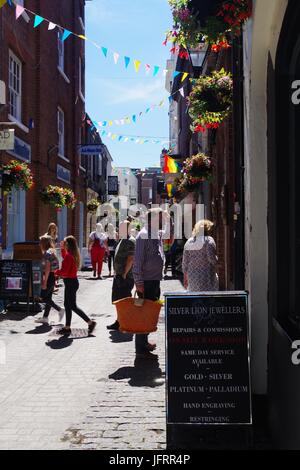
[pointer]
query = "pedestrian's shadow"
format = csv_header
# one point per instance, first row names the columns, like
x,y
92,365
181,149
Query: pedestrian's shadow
x,y
39,330
60,343
145,373
118,337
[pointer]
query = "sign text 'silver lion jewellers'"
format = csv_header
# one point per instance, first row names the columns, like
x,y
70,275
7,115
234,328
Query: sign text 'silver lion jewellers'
x,y
208,359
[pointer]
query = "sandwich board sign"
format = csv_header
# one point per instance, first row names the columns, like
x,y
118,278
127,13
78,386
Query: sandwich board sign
x,y
208,359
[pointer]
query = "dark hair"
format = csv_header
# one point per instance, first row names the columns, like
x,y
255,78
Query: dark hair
x,y
72,247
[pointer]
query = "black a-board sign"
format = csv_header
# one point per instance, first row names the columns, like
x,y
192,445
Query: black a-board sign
x,y
15,280
208,359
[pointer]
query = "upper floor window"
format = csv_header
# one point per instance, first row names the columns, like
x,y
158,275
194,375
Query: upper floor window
x,y
61,132
15,87
61,51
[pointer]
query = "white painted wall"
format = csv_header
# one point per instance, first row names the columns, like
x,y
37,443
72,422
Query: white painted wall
x,y
128,183
260,38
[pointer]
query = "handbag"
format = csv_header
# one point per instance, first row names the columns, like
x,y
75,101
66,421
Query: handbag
x,y
138,316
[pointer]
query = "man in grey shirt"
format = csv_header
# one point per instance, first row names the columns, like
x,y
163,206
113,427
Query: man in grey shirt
x,y
123,282
147,269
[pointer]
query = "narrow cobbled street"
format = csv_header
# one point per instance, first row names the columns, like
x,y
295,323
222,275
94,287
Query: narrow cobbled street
x,y
80,392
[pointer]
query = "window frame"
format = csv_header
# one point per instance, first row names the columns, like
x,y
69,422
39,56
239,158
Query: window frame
x,y
60,51
61,140
18,114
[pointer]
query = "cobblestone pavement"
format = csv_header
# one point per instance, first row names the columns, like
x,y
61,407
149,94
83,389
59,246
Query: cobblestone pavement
x,y
80,392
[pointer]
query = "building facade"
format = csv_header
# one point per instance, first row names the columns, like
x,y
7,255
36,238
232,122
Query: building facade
x,y
44,77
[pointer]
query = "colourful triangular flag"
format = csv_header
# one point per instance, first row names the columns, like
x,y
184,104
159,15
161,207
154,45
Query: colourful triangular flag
x,y
19,10
2,3
120,138
127,60
184,76
137,64
81,36
66,34
104,123
181,91
176,73
165,72
116,57
161,103
114,136
134,118
147,110
156,69
51,26
148,67
37,21
104,50
170,99
110,123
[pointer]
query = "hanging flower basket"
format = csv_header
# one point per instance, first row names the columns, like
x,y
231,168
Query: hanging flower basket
x,y
58,197
217,31
185,32
93,205
16,175
196,169
70,199
235,13
210,100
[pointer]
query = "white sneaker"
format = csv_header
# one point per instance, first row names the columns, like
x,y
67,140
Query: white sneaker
x,y
61,314
44,320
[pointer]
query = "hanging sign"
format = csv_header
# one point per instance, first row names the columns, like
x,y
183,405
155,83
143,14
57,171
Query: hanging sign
x,y
208,359
90,149
113,185
7,139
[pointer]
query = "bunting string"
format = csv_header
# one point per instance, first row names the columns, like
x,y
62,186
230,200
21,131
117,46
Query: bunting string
x,y
118,58
138,139
133,118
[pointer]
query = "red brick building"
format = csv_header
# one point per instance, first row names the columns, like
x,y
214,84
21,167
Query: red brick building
x,y
44,78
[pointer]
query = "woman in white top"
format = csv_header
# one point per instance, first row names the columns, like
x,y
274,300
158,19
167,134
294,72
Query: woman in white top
x,y
97,248
200,260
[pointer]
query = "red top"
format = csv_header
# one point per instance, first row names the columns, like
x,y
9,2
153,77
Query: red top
x,y
68,268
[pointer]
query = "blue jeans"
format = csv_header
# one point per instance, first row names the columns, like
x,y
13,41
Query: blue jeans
x,y
152,292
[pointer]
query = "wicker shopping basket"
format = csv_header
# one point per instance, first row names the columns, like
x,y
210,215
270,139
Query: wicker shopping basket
x,y
137,318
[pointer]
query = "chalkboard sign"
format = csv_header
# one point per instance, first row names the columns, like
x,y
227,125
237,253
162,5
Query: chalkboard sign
x,y
208,365
15,280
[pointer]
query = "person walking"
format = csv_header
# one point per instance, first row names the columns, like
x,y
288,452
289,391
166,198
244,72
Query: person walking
x,y
112,241
147,270
123,282
50,265
68,271
200,260
97,248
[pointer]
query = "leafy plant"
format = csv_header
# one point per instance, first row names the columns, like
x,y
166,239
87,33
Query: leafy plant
x,y
58,197
210,100
196,170
16,175
93,205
